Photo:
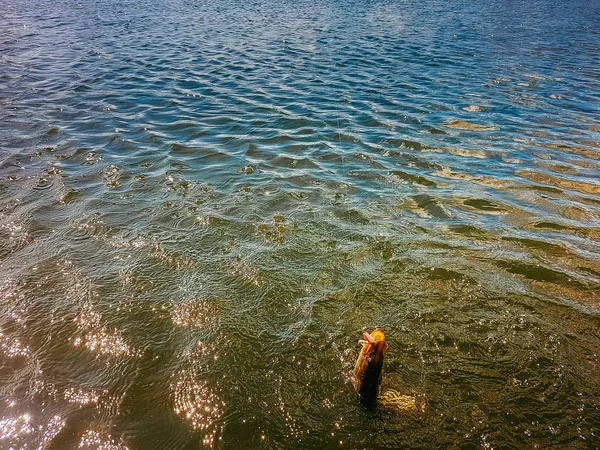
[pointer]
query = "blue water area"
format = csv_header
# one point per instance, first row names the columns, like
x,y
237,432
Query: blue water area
x,y
203,202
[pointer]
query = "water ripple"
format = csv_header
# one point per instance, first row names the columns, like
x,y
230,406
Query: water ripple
x,y
202,204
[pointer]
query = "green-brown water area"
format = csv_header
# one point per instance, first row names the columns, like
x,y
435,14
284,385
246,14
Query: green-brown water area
x,y
203,203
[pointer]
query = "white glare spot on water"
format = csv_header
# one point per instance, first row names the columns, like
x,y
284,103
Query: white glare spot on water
x,y
99,338
100,441
89,319
12,427
12,300
12,347
80,396
249,274
105,343
52,429
195,313
15,232
194,401
204,220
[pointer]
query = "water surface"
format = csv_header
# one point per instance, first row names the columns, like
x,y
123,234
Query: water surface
x,y
203,202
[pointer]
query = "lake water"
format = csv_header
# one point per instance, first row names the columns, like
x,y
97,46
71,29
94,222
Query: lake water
x,y
203,202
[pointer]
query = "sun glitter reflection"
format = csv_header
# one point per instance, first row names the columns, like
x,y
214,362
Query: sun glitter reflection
x,y
198,404
13,300
81,397
52,429
11,427
193,398
20,430
12,347
98,338
100,441
195,313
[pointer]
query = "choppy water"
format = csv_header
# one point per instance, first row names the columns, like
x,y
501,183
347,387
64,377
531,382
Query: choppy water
x,y
203,202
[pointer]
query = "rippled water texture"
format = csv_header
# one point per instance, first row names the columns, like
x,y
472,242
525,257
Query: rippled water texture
x,y
203,202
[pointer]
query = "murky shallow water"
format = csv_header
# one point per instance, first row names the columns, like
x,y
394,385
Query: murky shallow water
x,y
202,203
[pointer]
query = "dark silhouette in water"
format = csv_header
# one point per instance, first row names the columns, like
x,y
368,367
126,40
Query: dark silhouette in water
x,y
367,371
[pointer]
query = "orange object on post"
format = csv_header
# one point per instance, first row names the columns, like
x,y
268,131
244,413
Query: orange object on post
x,y
369,365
